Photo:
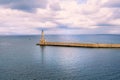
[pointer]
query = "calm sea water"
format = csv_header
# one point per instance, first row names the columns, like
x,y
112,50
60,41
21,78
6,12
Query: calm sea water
x,y
21,59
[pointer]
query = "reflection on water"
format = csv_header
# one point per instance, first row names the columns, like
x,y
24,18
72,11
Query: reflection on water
x,y
42,54
21,59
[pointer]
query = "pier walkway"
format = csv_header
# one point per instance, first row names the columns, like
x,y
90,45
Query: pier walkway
x,y
43,42
89,45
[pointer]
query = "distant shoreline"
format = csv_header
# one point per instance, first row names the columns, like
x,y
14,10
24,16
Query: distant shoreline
x,y
60,34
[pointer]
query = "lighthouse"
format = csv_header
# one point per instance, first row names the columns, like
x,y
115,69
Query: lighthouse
x,y
42,40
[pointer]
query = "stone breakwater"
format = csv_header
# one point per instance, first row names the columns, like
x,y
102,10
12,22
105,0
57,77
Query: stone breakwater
x,y
87,45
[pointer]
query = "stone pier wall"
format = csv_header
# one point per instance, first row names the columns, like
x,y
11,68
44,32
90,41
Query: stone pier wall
x,y
92,45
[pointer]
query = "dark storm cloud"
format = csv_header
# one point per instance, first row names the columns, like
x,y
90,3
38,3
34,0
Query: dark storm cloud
x,y
26,5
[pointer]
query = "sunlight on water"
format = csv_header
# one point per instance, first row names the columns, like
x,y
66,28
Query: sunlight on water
x,y
21,59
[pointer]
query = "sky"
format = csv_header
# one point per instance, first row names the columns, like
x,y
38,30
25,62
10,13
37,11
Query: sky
x,y
26,17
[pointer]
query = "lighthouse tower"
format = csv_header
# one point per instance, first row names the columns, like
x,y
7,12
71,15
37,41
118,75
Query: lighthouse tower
x,y
42,40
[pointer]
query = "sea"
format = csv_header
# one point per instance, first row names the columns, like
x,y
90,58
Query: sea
x,y
22,59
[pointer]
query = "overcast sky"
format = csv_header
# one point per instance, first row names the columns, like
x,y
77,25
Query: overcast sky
x,y
19,17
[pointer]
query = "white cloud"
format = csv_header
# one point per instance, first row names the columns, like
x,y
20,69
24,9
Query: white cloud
x,y
88,17
20,22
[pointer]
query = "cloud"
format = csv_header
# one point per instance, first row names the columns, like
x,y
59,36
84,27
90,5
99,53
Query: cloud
x,y
54,5
112,3
25,5
59,16
20,22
